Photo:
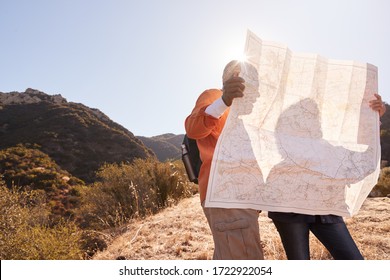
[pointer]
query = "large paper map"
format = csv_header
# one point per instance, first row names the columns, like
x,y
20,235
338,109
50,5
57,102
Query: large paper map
x,y
303,138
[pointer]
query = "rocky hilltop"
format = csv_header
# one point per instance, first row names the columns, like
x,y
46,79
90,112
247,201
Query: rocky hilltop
x,y
80,139
30,96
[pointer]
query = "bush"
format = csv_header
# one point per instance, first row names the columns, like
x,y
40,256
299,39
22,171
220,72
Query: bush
x,y
94,241
382,188
26,167
25,233
61,242
127,191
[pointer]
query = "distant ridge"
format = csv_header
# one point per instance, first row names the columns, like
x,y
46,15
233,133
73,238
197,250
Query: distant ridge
x,y
166,146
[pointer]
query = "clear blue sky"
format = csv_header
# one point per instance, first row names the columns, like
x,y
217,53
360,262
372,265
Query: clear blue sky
x,y
144,63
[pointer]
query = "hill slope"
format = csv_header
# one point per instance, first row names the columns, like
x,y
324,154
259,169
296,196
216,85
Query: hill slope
x,y
78,138
165,146
181,232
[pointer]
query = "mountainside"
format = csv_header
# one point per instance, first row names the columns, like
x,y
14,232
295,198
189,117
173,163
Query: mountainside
x,y
166,146
79,139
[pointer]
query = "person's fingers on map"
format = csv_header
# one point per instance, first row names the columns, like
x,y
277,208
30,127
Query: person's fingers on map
x,y
378,105
233,88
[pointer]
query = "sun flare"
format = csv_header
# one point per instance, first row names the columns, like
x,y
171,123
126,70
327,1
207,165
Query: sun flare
x,y
234,51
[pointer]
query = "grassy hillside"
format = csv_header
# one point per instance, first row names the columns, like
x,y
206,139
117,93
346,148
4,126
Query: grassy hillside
x,y
181,232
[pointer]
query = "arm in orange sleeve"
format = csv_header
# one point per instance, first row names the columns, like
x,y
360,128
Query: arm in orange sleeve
x,y
199,125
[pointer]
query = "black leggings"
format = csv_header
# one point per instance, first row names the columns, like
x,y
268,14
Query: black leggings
x,y
334,236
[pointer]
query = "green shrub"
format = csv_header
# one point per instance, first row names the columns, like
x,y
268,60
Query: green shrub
x,y
93,241
25,233
382,188
26,167
61,242
126,191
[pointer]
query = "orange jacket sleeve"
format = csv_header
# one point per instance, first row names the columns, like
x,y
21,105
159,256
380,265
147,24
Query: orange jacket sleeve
x,y
199,124
206,130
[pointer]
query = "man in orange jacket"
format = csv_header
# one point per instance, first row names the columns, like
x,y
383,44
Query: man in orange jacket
x,y
235,231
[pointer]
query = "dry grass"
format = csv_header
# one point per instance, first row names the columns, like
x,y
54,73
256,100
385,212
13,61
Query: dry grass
x,y
181,232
